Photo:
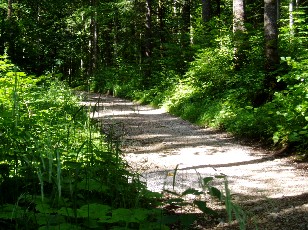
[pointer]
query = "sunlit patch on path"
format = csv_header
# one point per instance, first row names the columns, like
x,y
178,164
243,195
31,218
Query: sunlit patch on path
x,y
155,143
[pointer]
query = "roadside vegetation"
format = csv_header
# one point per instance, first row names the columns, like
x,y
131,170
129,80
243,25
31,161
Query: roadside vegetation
x,y
225,64
58,171
211,93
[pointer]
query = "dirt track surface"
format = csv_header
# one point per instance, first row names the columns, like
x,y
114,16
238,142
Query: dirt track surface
x,y
154,143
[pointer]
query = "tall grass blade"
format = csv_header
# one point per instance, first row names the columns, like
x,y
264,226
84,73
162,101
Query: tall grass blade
x,y
174,175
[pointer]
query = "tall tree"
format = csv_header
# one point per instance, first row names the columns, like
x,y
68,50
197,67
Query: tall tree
x,y
206,10
291,19
148,44
186,15
271,35
93,37
9,8
239,32
271,46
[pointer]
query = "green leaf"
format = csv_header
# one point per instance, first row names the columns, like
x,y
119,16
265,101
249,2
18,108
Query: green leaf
x,y
43,219
139,215
44,208
120,215
66,212
168,219
187,219
94,211
202,206
207,180
276,137
215,192
191,191
10,211
92,185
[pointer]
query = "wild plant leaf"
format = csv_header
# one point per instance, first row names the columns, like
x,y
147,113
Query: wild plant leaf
x,y
174,175
207,180
94,211
202,206
64,226
44,208
168,219
43,219
139,215
149,194
72,164
191,191
221,176
90,223
187,219
10,211
129,215
66,212
92,185
215,192
120,215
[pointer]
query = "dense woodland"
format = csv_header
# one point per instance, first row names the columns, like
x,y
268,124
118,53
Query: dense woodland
x,y
240,66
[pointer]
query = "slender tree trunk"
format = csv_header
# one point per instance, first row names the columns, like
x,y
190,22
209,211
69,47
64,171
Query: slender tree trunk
x,y
115,36
271,47
148,30
218,7
148,45
186,33
9,9
291,19
93,38
239,33
161,18
206,10
271,35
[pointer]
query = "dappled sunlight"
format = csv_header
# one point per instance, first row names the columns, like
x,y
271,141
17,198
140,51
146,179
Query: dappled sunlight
x,y
170,153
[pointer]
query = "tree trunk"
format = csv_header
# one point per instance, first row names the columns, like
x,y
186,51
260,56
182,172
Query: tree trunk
x,y
291,19
206,10
218,8
271,35
148,45
239,33
9,9
186,36
93,38
161,18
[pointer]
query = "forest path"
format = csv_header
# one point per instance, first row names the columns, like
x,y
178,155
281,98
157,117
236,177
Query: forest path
x,y
155,142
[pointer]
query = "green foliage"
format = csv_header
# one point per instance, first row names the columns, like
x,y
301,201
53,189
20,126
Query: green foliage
x,y
212,93
200,198
119,81
57,170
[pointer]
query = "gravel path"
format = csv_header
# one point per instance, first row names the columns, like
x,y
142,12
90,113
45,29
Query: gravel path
x,y
273,189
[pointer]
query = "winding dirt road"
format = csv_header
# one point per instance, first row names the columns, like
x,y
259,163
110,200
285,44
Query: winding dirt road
x,y
273,189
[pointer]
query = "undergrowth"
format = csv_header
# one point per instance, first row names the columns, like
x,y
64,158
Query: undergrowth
x,y
58,171
212,93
